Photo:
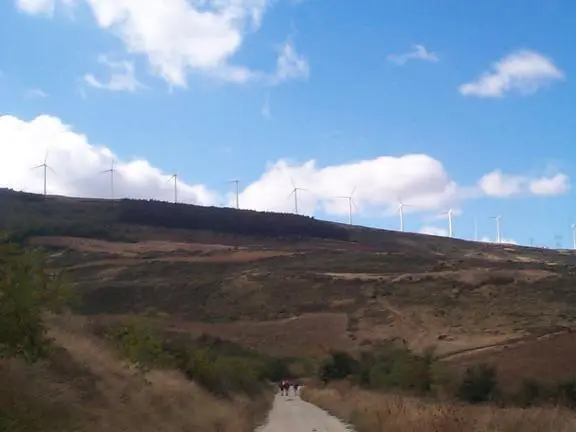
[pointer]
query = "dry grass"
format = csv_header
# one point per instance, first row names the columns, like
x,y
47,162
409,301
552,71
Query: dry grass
x,y
85,388
371,412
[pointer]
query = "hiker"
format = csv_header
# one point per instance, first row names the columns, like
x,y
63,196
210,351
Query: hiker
x,y
284,386
296,386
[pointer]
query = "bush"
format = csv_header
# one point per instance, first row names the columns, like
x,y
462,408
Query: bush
x,y
339,366
27,290
140,344
479,384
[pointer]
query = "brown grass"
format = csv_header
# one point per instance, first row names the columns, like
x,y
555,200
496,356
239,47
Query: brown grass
x,y
371,412
85,387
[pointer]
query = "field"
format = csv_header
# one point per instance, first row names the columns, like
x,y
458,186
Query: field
x,y
371,412
292,285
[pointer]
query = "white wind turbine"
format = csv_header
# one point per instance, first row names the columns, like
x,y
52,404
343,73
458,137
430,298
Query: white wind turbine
x,y
401,206
573,226
110,171
295,193
46,168
175,178
449,213
498,230
237,191
351,204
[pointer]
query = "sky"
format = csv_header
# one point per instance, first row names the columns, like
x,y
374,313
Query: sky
x,y
438,105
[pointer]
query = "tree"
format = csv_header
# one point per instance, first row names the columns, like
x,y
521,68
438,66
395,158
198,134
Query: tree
x,y
27,291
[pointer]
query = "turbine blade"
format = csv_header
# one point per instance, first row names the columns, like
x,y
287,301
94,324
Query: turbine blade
x,y
353,190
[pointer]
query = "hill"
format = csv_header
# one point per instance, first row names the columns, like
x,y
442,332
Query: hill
x,y
295,285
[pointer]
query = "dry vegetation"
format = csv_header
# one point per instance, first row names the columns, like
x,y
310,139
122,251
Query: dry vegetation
x,y
372,412
84,386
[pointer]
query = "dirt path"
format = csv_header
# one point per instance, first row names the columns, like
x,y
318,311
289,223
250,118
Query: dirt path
x,y
292,414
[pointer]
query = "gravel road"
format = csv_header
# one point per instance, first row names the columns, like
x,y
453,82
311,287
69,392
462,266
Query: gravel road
x,y
292,414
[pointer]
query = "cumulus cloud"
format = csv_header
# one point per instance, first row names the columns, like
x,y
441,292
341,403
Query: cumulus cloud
x,y
419,52
523,71
417,179
76,165
555,185
122,76
500,185
178,37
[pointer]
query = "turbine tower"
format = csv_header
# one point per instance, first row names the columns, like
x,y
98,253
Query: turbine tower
x,y
351,204
498,231
175,178
295,193
111,171
573,226
46,168
401,206
450,213
236,183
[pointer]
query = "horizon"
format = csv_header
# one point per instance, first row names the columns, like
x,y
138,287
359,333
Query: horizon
x,y
381,100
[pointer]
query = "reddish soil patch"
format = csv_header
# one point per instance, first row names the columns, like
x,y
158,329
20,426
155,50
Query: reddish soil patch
x,y
546,358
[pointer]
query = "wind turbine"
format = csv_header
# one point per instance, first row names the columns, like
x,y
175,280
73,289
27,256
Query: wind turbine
x,y
401,206
46,167
498,231
350,204
295,192
573,226
236,182
112,170
450,213
175,178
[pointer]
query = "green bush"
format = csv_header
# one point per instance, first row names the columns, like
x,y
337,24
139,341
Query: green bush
x,y
27,290
140,344
479,384
338,366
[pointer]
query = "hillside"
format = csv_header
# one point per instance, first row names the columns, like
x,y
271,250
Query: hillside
x,y
294,285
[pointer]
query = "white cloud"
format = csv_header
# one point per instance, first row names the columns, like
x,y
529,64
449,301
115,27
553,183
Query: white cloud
x,y
122,76
290,65
35,93
524,71
179,37
500,185
503,240
77,165
433,230
417,178
555,185
37,6
419,52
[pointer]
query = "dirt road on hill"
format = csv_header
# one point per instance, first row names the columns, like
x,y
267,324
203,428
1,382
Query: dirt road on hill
x,y
292,414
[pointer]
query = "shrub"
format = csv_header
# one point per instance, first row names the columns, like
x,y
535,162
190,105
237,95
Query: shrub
x,y
478,384
140,344
27,290
339,366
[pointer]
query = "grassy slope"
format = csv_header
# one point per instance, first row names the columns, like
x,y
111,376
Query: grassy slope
x,y
83,386
296,285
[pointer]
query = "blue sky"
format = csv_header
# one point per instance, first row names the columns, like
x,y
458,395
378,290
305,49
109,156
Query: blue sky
x,y
159,81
